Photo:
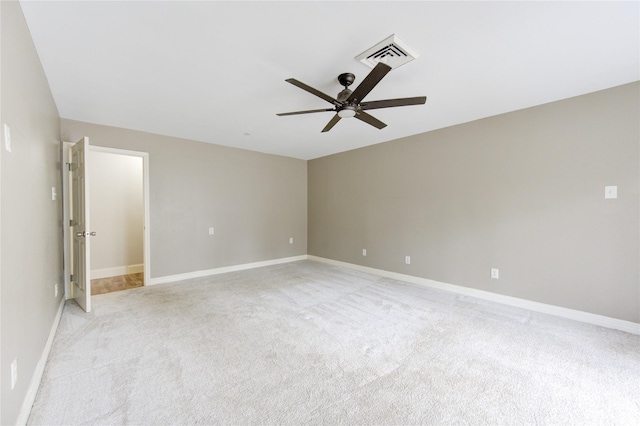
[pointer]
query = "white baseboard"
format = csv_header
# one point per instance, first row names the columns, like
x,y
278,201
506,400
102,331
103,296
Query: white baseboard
x,y
222,270
36,378
586,317
116,271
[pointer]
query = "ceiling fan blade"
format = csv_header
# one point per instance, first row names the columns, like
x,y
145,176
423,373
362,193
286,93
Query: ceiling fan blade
x,y
331,123
369,119
369,82
313,91
388,103
305,112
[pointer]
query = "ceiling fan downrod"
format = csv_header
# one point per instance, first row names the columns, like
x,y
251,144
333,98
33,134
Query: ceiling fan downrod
x,y
345,79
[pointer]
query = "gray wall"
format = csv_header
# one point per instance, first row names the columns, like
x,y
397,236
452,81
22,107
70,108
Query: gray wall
x,y
31,236
522,192
255,201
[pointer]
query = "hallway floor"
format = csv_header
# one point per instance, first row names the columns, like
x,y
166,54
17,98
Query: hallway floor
x,y
121,282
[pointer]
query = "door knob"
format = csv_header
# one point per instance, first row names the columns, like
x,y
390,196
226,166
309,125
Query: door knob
x,y
81,234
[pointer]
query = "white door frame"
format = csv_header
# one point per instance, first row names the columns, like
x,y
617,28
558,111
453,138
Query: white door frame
x,y
146,246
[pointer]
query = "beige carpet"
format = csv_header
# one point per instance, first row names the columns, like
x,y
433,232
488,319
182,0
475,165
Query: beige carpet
x,y
307,343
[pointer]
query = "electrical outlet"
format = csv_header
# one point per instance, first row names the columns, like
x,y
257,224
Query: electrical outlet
x,y
407,260
211,231
364,252
55,290
610,192
14,372
495,273
290,240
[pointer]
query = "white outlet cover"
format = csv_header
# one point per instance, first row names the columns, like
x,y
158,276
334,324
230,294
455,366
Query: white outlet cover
x,y
211,231
364,252
495,273
54,194
407,260
610,192
291,240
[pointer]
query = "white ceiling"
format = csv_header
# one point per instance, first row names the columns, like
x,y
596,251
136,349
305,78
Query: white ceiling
x,y
215,71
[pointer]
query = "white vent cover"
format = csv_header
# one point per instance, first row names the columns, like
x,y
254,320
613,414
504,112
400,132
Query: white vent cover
x,y
392,51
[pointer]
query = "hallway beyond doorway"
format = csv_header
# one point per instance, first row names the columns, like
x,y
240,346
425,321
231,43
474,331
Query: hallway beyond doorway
x,y
121,282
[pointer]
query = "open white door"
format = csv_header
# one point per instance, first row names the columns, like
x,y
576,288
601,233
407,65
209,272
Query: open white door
x,y
80,231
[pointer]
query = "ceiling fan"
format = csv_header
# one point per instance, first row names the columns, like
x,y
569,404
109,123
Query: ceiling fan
x,y
349,103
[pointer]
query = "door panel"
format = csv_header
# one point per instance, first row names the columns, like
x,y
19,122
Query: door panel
x,y
80,230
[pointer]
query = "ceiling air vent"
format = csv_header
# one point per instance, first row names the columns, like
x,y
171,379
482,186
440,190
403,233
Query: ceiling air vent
x,y
392,51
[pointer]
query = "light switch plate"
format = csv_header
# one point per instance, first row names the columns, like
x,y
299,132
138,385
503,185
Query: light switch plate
x,y
14,373
610,192
7,138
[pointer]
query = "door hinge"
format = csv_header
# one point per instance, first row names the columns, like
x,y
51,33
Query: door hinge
x,y
71,277
70,166
72,222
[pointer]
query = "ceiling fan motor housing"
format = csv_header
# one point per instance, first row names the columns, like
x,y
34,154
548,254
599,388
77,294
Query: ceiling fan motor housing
x,y
344,94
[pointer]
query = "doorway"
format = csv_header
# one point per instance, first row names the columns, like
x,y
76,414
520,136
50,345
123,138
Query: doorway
x,y
117,217
118,182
